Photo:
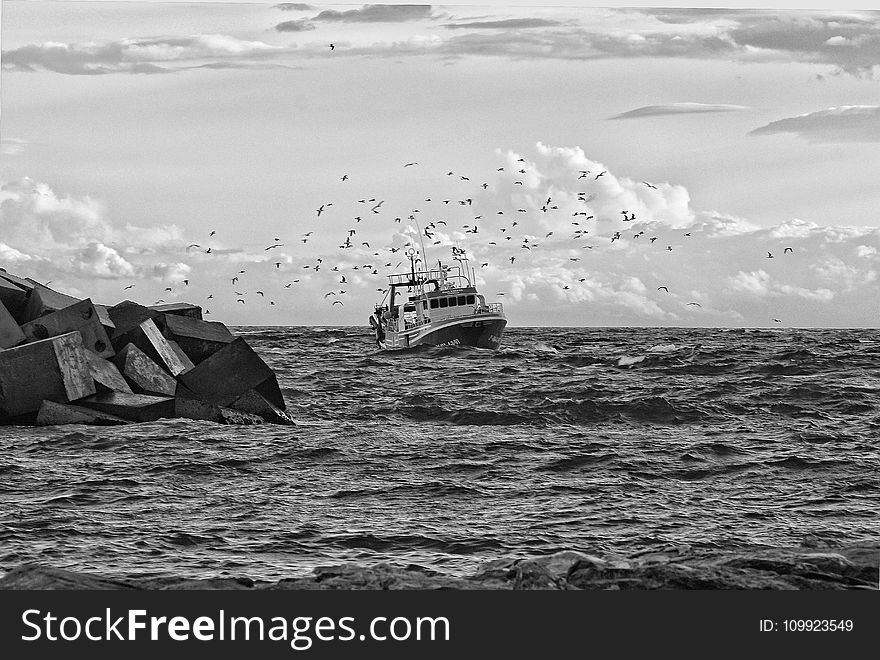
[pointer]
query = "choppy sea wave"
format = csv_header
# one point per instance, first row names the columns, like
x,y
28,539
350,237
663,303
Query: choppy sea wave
x,y
602,440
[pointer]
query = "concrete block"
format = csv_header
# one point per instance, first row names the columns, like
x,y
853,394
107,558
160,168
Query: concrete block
x,y
127,315
80,316
227,374
106,375
13,298
187,310
144,375
272,392
10,334
54,369
211,412
198,339
256,404
151,341
183,357
52,414
43,300
20,282
133,407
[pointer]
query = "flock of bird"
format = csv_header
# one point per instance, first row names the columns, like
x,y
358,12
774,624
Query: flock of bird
x,y
506,234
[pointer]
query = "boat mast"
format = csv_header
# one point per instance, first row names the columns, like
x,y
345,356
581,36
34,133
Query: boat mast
x,y
421,286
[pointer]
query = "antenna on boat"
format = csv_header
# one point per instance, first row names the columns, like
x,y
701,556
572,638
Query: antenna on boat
x,y
422,243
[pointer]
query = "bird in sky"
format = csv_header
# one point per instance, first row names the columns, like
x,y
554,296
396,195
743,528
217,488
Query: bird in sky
x,y
320,210
332,46
277,264
410,164
695,304
649,185
261,293
168,288
241,301
193,245
186,283
769,255
130,286
345,177
788,249
664,288
600,174
234,280
777,321
212,233
337,302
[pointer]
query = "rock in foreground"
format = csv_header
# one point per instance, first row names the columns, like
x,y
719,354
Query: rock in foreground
x,y
852,567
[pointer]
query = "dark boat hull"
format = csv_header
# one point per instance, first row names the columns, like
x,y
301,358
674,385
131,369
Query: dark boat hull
x,y
479,333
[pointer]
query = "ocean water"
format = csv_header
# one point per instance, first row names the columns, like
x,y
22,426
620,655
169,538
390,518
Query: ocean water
x,y
612,441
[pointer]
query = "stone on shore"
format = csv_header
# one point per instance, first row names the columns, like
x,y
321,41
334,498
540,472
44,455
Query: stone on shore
x,y
198,339
133,407
128,315
13,298
196,409
10,333
853,567
229,373
255,403
144,375
42,301
147,337
52,414
127,360
82,317
106,375
180,309
54,369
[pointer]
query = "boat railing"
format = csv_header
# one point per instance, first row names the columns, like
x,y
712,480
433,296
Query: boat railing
x,y
456,312
403,279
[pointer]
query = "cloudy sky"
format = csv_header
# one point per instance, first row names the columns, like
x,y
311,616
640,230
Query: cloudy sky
x,y
156,151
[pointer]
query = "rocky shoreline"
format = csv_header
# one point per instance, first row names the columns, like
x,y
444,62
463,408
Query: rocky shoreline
x,y
806,568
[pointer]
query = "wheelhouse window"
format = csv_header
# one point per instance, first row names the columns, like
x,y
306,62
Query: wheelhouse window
x,y
434,303
470,300
452,302
444,302
462,300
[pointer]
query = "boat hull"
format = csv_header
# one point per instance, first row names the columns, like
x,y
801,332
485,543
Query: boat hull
x,y
475,332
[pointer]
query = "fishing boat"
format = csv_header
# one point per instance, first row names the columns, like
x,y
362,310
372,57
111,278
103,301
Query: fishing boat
x,y
437,307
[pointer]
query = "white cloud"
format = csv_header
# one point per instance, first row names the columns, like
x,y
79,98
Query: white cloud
x,y
678,109
848,123
139,55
